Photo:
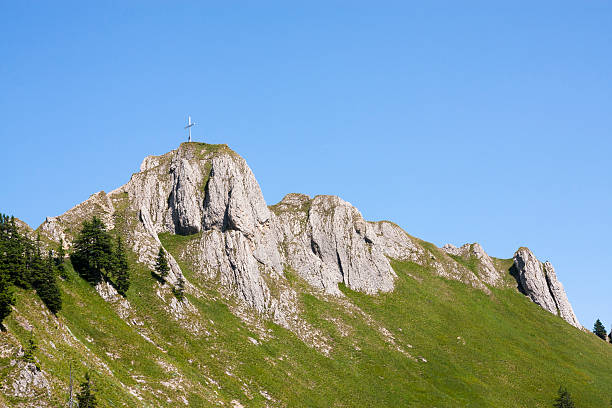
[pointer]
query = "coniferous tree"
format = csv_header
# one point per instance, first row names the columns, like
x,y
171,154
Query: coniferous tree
x,y
121,268
6,295
86,396
46,286
17,249
161,266
6,289
60,260
93,253
564,399
179,289
599,330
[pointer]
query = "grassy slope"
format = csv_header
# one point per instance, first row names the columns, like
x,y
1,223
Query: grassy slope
x,y
481,351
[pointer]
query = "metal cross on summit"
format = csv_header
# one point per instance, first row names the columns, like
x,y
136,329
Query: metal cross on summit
x,y
189,126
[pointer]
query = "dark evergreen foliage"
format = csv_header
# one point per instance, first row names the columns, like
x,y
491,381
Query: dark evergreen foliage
x,y
6,295
46,286
92,257
60,260
564,399
86,396
179,289
21,264
599,330
161,266
95,257
121,271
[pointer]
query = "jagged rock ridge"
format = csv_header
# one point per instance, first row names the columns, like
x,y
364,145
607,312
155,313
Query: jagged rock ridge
x,y
210,193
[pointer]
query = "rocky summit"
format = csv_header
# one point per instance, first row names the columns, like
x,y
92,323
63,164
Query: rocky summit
x,y
300,303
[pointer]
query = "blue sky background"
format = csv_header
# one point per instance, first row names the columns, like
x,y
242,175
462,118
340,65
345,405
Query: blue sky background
x,y
460,121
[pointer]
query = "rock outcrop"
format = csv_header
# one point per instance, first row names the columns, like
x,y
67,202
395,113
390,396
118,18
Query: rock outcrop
x,y
486,269
208,192
539,282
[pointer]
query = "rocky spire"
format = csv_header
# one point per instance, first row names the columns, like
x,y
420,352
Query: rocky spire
x,y
539,282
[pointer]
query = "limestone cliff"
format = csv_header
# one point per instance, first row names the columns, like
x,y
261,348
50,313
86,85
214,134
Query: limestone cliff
x,y
208,192
539,282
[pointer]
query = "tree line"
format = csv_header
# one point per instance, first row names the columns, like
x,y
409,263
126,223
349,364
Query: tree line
x,y
22,264
96,256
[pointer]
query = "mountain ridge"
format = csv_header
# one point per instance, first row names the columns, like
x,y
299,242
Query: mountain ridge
x,y
200,187
305,285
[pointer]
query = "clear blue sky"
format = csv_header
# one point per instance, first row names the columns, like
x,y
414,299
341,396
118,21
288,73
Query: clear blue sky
x,y
460,121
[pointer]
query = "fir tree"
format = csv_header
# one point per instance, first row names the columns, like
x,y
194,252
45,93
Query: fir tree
x,y
6,295
179,289
564,399
86,396
46,287
60,259
93,255
161,266
599,330
6,289
121,268
16,250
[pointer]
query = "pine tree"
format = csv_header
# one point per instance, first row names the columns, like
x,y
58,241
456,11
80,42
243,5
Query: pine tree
x,y
6,295
564,399
6,288
47,288
179,290
16,248
60,260
161,266
35,264
93,253
86,396
599,330
121,268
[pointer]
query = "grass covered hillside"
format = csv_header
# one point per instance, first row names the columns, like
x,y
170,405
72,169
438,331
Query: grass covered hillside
x,y
431,343
437,336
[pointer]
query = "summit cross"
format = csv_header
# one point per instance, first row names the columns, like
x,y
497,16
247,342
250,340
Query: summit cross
x,y
189,126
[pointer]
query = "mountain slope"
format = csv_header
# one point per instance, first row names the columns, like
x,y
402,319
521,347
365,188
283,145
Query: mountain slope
x,y
300,304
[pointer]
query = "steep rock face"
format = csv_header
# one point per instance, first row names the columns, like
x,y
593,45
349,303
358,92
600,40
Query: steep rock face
x,y
486,268
64,226
539,282
234,200
556,289
209,193
327,241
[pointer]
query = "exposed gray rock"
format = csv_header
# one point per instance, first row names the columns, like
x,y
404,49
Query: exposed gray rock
x,y
29,382
396,243
532,279
64,226
234,200
210,193
344,242
556,289
185,200
539,282
486,268
327,241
